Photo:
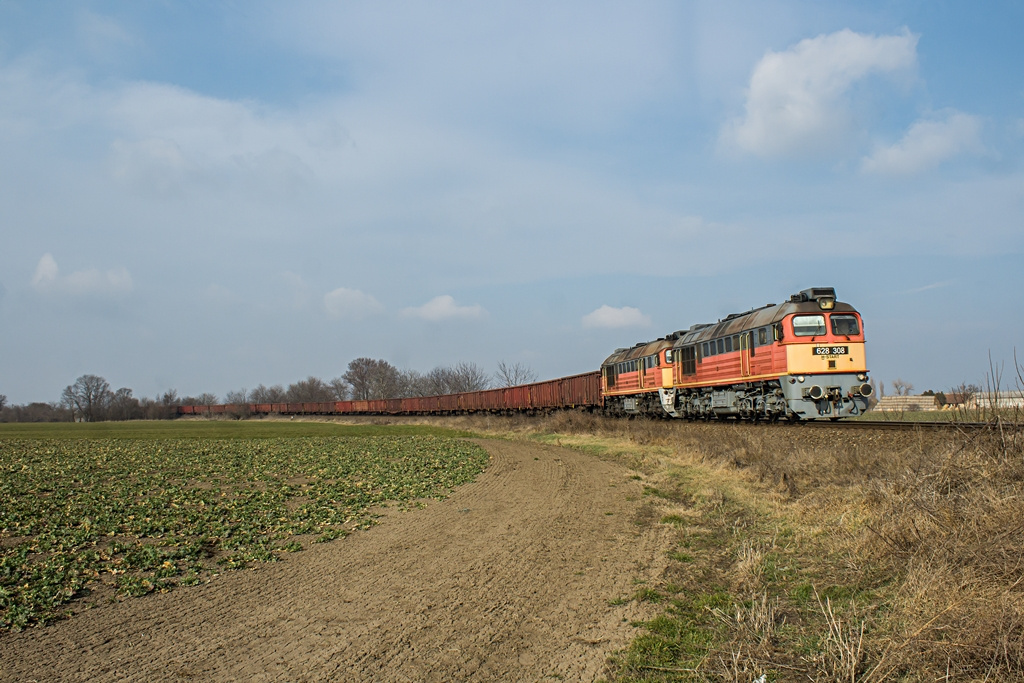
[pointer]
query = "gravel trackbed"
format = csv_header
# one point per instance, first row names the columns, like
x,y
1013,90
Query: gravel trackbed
x,y
511,578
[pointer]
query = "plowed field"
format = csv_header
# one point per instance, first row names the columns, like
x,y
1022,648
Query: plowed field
x,y
513,577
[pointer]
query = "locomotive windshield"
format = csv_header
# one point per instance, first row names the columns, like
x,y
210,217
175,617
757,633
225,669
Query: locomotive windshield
x,y
845,324
809,325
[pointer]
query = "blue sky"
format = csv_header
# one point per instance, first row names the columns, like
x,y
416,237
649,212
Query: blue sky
x,y
206,196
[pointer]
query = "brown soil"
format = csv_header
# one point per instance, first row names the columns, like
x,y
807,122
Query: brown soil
x,y
510,578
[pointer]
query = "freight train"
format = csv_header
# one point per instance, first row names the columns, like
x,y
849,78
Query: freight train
x,y
799,360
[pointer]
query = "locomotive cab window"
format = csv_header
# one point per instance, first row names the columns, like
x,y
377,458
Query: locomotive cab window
x,y
845,325
762,336
809,325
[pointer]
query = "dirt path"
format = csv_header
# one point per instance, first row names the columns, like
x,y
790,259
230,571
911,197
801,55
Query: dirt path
x,y
508,579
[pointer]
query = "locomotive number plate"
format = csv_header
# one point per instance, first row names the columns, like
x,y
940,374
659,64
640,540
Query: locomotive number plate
x,y
831,350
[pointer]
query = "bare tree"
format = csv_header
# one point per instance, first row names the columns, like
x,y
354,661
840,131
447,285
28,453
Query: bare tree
x,y
453,379
204,399
373,379
901,388
3,401
415,384
124,406
88,398
262,394
359,376
340,388
36,412
170,398
469,377
514,374
237,398
311,389
438,382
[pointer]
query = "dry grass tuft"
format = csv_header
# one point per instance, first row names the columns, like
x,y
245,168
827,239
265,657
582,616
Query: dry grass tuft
x,y
842,654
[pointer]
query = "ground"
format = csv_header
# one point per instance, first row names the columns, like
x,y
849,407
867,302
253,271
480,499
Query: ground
x,y
518,576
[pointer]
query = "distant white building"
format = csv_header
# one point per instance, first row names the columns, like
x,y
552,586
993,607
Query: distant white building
x,y
997,400
903,404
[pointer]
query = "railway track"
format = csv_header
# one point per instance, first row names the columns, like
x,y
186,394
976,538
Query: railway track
x,y
899,425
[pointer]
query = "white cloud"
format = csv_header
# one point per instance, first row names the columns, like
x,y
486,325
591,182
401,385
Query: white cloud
x,y
606,316
796,99
444,308
350,303
92,282
927,144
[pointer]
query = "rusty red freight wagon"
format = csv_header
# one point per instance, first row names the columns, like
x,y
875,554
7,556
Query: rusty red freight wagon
x,y
578,391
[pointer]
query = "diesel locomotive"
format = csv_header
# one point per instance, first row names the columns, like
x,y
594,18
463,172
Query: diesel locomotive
x,y
800,360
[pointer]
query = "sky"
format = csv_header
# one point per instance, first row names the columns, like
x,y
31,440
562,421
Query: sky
x,y
206,196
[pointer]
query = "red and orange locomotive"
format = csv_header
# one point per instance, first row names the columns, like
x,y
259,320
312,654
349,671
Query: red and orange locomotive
x,y
801,360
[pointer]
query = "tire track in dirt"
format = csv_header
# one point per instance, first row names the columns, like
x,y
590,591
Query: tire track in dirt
x,y
509,578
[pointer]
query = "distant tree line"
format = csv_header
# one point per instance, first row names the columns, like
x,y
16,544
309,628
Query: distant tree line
x,y
91,399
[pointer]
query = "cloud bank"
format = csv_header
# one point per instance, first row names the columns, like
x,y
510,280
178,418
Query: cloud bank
x,y
444,308
609,317
927,144
350,303
47,279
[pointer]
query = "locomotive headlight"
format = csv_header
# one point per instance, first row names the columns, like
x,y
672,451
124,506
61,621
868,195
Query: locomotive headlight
x,y
862,377
826,303
800,378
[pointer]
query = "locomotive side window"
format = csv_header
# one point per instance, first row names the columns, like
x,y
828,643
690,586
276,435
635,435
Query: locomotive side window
x,y
728,344
689,360
735,342
705,350
762,336
809,325
721,346
845,324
